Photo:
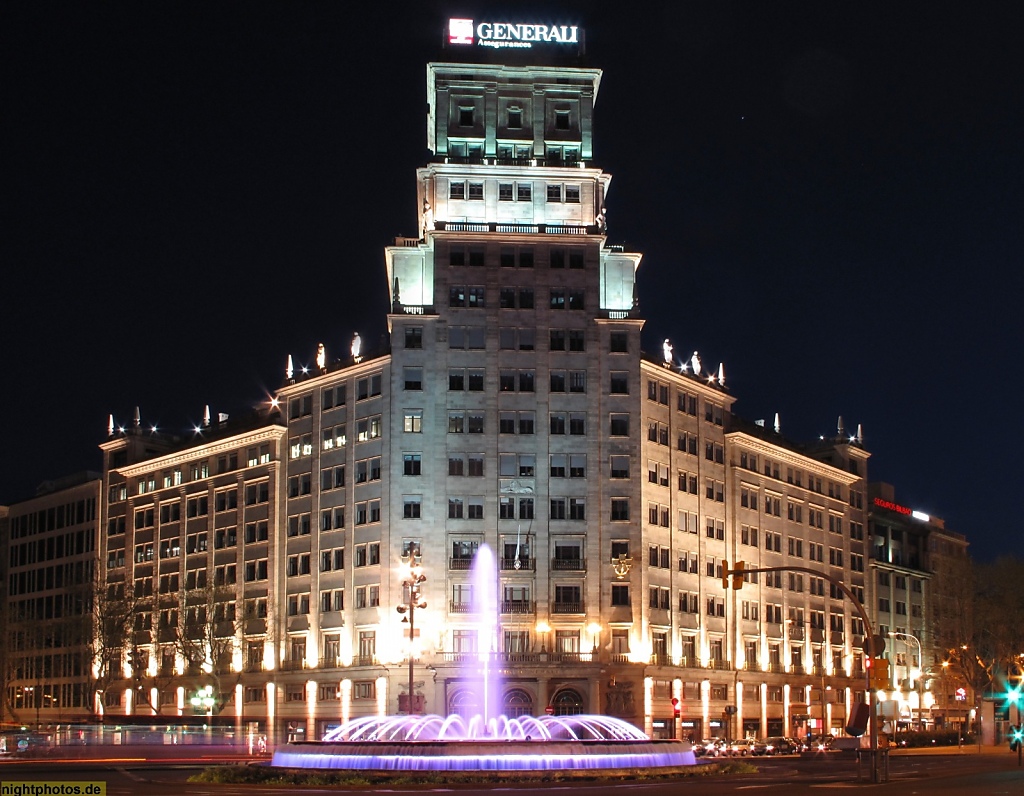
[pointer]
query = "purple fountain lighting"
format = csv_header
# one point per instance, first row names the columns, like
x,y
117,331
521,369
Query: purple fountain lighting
x,y
488,741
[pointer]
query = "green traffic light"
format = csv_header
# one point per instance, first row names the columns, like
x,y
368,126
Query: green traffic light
x,y
1013,695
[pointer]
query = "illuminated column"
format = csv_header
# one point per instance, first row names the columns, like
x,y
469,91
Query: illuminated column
x,y
346,700
154,698
239,697
705,706
764,709
739,710
272,714
312,733
648,705
181,700
785,708
382,696
129,700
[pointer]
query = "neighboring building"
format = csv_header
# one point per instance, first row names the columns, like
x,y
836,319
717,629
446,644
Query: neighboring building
x,y
49,553
192,562
917,591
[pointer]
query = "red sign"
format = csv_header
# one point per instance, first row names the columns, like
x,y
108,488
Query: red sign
x,y
888,504
549,710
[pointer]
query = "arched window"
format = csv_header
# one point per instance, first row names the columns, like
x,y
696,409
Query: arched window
x,y
517,702
463,703
567,702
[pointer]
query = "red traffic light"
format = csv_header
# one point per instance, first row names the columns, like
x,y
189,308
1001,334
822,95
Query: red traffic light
x,y
675,705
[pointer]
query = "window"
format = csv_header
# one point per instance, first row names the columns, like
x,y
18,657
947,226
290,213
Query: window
x,y
619,425
413,378
619,383
411,505
620,509
411,463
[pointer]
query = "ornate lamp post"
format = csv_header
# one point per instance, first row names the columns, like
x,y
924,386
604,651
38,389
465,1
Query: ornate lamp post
x,y
412,579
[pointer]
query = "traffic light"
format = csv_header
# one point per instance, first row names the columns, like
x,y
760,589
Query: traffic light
x,y
732,577
737,575
1013,695
1016,737
676,707
879,670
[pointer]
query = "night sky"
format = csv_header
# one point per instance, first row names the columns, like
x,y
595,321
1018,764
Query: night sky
x,y
828,197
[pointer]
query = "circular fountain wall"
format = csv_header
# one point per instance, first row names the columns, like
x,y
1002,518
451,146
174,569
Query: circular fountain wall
x,y
439,743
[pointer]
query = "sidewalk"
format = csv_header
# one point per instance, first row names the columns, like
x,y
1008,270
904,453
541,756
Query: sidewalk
x,y
968,749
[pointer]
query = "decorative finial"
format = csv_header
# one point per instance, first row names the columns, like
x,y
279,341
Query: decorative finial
x,y
695,363
721,375
137,421
357,345
840,431
289,369
666,353
860,434
206,416
778,426
321,358
110,426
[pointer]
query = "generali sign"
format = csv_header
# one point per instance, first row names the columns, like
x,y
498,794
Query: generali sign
x,y
509,34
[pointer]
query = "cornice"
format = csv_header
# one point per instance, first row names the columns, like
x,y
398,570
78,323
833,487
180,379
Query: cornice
x,y
202,450
791,457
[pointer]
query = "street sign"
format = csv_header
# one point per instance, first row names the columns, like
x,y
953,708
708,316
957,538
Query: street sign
x,y
549,710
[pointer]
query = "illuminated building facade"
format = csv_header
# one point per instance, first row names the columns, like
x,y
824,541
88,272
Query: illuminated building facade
x,y
49,545
514,408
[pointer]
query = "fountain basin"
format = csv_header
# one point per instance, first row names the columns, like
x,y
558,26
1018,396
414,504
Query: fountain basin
x,y
485,755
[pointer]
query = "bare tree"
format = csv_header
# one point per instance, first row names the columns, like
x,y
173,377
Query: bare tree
x,y
111,610
206,639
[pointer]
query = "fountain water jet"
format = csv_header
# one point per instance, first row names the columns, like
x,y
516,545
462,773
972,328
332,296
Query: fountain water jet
x,y
488,741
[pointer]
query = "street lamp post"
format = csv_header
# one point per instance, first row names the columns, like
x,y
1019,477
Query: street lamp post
x,y
412,579
907,637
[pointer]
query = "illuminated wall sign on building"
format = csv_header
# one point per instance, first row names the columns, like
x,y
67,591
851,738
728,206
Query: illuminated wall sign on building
x,y
509,34
888,504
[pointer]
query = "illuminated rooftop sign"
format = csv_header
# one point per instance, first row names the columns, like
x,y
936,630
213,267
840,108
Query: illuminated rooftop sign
x,y
509,34
888,504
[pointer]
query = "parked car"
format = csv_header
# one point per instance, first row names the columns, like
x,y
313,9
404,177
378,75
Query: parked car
x,y
781,746
758,747
710,747
740,748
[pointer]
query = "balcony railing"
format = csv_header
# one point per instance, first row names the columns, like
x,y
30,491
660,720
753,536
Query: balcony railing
x,y
330,662
661,659
567,608
797,668
459,607
462,563
719,664
517,606
254,666
776,666
507,228
523,564
293,665
568,564
570,657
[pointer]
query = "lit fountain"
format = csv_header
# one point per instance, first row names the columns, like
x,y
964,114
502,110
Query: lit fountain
x,y
488,741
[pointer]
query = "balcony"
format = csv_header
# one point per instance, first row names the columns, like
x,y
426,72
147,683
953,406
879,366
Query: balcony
x,y
463,563
330,662
517,606
571,657
797,668
254,666
459,607
293,665
719,664
519,564
796,633
567,608
517,229
568,565
661,659
776,667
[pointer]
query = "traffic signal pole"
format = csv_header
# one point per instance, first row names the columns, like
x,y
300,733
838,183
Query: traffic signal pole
x,y
734,578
